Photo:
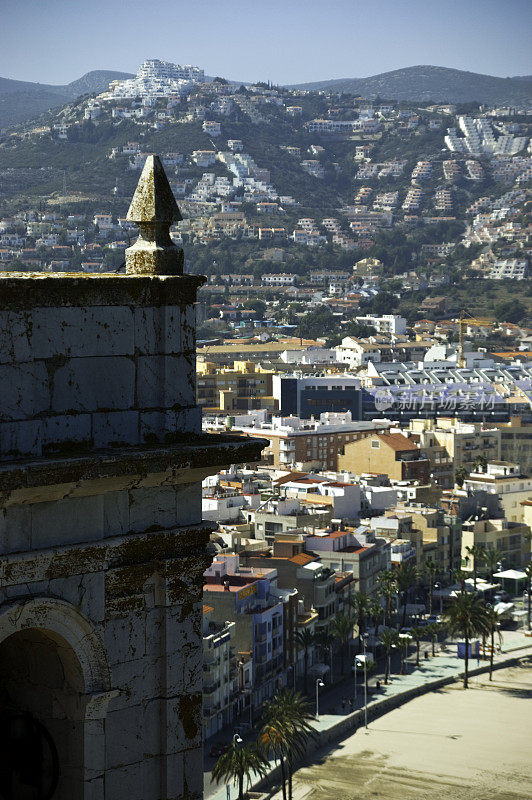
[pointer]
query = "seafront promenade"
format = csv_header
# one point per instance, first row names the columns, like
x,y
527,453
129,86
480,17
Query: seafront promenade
x,y
433,673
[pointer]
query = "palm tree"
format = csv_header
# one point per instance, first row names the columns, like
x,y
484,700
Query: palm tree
x,y
324,640
389,638
361,604
292,712
492,627
305,639
481,462
286,728
431,571
417,634
387,587
350,601
460,475
406,576
492,556
375,611
433,630
460,577
274,739
477,553
342,630
467,617
239,763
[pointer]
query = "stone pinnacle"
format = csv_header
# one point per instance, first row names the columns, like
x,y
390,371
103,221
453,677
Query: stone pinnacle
x,y
154,209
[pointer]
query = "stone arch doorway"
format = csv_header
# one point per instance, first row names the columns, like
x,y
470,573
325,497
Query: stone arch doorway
x,y
40,676
53,670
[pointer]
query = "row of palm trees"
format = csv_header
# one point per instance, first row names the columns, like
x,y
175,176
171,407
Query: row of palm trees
x,y
389,638
364,608
469,616
286,727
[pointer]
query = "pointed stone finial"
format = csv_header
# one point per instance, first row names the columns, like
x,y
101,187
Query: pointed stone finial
x,y
154,208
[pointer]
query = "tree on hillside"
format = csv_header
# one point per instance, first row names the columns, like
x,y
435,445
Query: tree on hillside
x,y
510,311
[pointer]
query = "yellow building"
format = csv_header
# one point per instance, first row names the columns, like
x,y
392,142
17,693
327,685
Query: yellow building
x,y
463,442
510,538
389,454
243,388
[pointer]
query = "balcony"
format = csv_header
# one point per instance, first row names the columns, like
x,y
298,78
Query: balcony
x,y
211,687
210,710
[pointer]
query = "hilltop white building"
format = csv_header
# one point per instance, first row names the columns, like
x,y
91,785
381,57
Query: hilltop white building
x,y
156,79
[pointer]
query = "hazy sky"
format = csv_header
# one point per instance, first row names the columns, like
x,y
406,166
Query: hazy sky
x,y
286,41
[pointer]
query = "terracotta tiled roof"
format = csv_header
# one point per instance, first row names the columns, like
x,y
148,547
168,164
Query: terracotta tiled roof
x,y
397,441
302,559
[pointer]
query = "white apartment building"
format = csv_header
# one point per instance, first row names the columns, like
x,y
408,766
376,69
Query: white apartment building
x,y
387,323
279,279
355,353
330,126
220,673
422,171
479,138
212,128
156,79
514,269
505,479
204,158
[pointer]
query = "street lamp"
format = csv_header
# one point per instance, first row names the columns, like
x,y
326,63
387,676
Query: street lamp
x,y
394,647
405,638
438,586
364,642
319,685
236,739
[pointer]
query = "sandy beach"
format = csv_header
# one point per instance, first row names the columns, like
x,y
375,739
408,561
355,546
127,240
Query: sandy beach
x,y
472,745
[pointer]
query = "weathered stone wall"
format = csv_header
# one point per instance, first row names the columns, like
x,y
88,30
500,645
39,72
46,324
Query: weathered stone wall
x,y
112,371
100,524
102,548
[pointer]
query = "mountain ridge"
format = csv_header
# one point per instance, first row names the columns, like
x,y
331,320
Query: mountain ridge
x,y
426,82
23,100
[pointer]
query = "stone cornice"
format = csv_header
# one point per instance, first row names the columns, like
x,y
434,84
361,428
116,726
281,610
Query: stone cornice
x,y
23,481
27,290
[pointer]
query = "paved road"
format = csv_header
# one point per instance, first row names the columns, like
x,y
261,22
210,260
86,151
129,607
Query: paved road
x,y
445,664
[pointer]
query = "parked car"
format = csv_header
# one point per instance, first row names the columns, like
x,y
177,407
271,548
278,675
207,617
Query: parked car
x,y
501,597
218,749
433,618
